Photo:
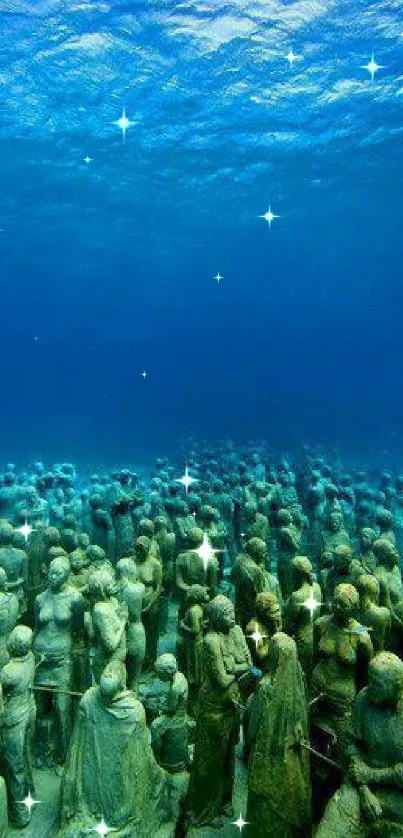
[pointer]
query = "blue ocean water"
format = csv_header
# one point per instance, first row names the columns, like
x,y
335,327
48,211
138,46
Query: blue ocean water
x,y
107,267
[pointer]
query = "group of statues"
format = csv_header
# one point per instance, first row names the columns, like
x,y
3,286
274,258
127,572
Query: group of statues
x,y
162,639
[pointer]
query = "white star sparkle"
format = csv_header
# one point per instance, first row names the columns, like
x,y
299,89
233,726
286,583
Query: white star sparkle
x,y
218,277
290,57
205,551
29,801
257,636
87,159
123,123
25,530
144,374
372,67
186,480
102,829
311,603
269,217
240,823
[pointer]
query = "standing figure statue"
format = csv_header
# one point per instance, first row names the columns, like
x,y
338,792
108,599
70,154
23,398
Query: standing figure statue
x,y
59,624
131,592
107,626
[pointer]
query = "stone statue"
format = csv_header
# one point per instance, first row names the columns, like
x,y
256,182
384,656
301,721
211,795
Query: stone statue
x,y
59,624
108,622
266,621
301,609
342,651
226,660
149,571
374,617
370,801
9,614
191,630
111,775
279,794
131,592
14,562
192,570
289,543
17,723
334,533
123,525
169,731
251,578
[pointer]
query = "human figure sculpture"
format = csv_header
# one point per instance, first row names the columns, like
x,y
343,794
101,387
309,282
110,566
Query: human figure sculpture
x,y
101,524
366,561
149,571
385,523
98,560
369,802
108,621
131,592
374,617
14,561
251,578
167,551
300,611
288,545
334,532
340,572
191,569
111,775
59,625
123,526
279,794
191,629
9,614
388,572
226,660
342,651
18,722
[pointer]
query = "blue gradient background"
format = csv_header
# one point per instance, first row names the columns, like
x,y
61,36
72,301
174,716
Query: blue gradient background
x,y
110,266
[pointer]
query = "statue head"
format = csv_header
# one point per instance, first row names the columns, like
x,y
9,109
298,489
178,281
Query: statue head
x,y
166,667
302,570
220,613
283,518
6,533
83,541
385,552
112,681
384,519
52,537
58,572
268,611
126,569
101,585
335,521
368,587
367,538
142,548
96,501
196,595
257,550
385,679
161,524
342,558
19,642
146,527
195,538
345,603
95,554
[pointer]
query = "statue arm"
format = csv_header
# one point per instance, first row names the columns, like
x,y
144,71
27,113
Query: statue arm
x,y
109,628
214,663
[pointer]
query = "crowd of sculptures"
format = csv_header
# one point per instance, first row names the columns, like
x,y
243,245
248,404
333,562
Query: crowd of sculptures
x,y
155,632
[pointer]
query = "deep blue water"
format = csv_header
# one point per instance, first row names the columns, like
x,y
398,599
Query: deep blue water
x,y
107,269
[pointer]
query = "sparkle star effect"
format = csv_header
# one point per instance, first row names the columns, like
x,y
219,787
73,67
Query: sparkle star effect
x,y
87,159
240,823
205,551
25,530
372,67
123,123
218,277
102,829
257,636
29,801
269,217
144,374
311,604
186,480
291,57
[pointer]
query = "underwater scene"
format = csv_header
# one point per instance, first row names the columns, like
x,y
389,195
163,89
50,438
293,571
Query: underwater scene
x,y
201,445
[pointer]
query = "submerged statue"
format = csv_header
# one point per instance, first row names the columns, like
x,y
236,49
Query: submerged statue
x,y
370,801
108,622
131,592
301,609
9,613
111,774
226,660
279,793
17,723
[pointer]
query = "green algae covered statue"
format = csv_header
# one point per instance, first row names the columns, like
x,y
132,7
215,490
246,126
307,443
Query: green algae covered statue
x,y
17,723
301,609
111,774
226,659
131,592
9,613
279,796
108,622
370,801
